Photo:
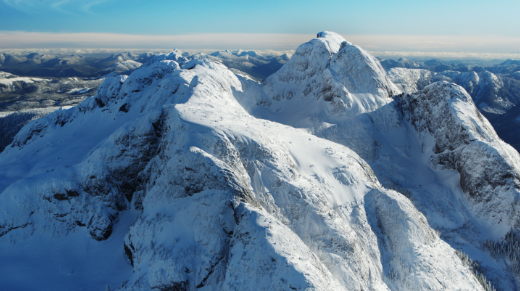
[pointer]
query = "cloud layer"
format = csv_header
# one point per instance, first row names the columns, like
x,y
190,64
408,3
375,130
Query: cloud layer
x,y
479,47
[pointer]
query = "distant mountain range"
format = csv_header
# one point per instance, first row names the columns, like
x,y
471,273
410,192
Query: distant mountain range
x,y
94,65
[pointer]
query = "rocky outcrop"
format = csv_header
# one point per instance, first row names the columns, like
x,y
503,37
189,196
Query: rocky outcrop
x,y
463,140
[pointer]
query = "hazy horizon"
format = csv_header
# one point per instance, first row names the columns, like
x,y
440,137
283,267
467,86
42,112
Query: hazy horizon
x,y
445,29
412,47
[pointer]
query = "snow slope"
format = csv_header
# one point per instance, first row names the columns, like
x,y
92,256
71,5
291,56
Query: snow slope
x,y
401,155
184,176
464,141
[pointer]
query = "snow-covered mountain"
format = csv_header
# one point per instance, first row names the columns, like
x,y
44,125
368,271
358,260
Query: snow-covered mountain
x,y
495,95
248,63
492,93
407,158
185,176
400,63
117,58
121,68
20,97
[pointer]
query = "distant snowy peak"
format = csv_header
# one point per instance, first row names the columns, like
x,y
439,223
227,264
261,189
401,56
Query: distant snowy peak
x,y
237,53
492,93
6,75
331,69
511,62
402,63
121,67
121,57
174,55
516,75
284,58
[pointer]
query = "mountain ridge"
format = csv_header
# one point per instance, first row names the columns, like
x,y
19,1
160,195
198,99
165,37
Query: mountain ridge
x,y
227,191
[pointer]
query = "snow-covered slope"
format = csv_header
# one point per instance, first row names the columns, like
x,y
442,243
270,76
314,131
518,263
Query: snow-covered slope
x,y
464,141
482,204
496,96
223,200
381,133
332,69
184,176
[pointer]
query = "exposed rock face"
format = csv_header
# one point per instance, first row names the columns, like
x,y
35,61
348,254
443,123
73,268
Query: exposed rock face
x,y
12,122
465,141
496,96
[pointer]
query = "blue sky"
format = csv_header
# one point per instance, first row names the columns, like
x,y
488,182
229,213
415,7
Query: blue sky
x,y
480,21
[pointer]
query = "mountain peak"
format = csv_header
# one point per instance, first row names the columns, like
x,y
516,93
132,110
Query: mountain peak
x,y
332,39
332,69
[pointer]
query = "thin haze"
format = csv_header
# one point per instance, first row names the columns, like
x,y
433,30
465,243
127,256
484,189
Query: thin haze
x,y
456,27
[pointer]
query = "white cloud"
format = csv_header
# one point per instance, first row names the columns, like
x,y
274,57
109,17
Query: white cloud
x,y
479,47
